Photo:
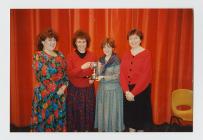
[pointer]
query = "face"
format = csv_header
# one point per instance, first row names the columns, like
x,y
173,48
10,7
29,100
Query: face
x,y
81,45
49,44
107,49
134,40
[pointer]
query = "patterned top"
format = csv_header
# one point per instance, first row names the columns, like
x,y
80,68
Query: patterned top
x,y
111,71
50,71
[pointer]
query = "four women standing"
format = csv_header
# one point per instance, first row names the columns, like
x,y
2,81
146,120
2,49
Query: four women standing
x,y
134,74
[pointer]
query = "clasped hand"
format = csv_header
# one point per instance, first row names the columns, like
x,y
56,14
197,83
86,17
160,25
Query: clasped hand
x,y
61,90
87,65
129,96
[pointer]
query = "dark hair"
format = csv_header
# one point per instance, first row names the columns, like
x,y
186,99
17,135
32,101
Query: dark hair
x,y
135,31
82,35
108,41
48,33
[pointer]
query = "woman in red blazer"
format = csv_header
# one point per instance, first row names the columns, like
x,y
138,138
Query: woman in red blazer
x,y
135,78
80,96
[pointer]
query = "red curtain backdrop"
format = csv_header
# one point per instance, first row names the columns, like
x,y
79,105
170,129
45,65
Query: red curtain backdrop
x,y
168,34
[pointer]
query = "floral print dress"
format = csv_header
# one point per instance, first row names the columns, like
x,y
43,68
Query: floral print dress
x,y
48,108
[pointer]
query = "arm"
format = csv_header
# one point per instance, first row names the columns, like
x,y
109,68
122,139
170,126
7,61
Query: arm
x,y
62,70
37,66
145,76
76,71
123,81
65,78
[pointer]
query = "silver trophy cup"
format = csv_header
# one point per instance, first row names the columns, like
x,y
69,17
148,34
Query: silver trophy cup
x,y
94,75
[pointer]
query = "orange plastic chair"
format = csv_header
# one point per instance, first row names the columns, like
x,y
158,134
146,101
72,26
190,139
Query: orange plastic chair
x,y
182,105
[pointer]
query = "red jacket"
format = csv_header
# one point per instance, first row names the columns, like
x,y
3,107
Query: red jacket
x,y
75,73
136,70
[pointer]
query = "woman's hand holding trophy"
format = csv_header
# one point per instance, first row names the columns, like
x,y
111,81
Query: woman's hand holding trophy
x,y
97,67
86,65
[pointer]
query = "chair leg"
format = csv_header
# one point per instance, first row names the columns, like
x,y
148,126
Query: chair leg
x,y
178,120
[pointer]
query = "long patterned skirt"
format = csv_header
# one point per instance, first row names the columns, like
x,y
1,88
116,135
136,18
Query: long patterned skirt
x,y
109,108
48,112
138,113
80,108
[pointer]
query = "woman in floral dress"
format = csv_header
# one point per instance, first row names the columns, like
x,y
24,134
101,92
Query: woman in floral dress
x,y
48,105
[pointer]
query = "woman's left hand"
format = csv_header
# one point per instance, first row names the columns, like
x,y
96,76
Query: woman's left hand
x,y
61,90
91,81
86,65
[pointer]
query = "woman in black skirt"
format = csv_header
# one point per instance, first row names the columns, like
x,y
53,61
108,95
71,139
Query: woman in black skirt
x,y
135,76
